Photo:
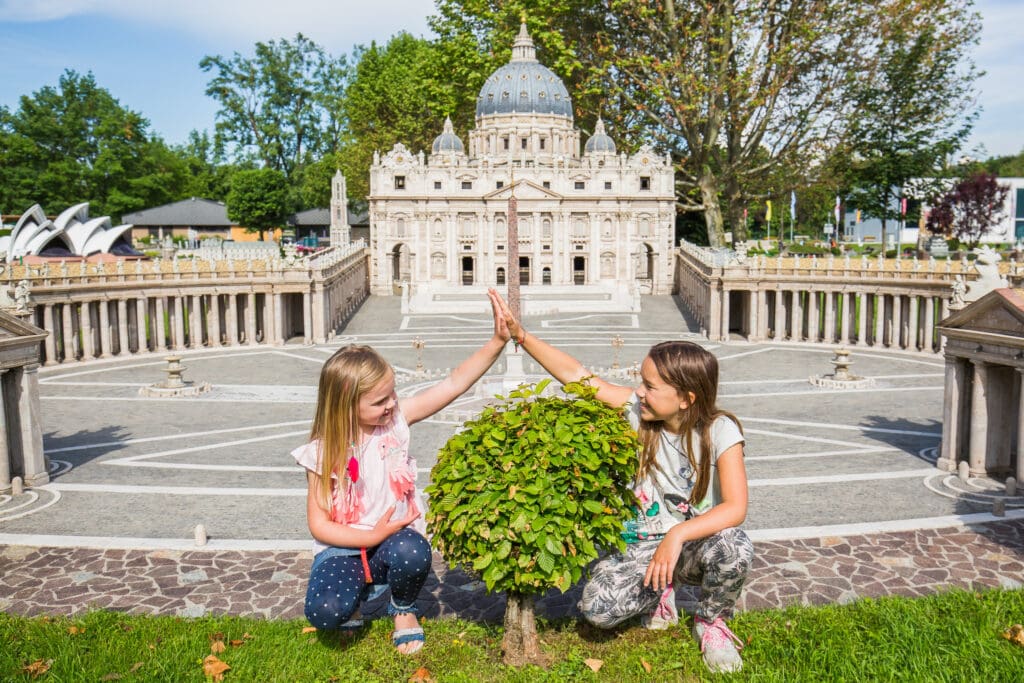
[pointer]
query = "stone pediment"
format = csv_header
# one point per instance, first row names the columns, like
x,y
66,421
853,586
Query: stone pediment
x,y
999,312
13,326
525,189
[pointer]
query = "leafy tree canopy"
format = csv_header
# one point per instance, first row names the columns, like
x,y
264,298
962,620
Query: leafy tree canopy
x,y
75,143
258,199
970,208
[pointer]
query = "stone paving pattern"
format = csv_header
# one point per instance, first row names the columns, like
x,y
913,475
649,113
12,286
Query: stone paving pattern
x,y
837,569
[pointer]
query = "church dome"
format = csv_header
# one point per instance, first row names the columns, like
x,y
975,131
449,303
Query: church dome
x,y
447,141
599,142
524,85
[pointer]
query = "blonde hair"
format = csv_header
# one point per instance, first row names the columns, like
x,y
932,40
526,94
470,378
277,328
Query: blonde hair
x,y
344,379
693,372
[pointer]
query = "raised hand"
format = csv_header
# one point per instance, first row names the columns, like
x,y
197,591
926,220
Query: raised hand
x,y
502,310
501,329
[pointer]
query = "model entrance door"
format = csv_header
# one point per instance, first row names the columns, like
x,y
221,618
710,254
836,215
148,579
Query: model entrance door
x,y
467,270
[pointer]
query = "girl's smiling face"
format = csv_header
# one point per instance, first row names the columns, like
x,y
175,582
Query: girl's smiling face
x,y
659,401
377,406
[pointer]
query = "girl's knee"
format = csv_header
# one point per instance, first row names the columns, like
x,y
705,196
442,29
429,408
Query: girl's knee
x,y
731,552
329,612
409,548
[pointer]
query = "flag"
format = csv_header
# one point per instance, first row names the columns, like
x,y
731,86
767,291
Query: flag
x,y
744,215
903,206
768,212
858,216
792,205
837,209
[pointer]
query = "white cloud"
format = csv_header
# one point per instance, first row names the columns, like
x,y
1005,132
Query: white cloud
x,y
237,24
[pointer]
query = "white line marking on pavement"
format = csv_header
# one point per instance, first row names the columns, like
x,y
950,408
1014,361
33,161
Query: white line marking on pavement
x,y
852,428
185,402
171,490
841,478
187,435
55,496
163,363
131,459
745,353
295,355
634,322
885,526
821,454
211,468
797,437
820,392
803,380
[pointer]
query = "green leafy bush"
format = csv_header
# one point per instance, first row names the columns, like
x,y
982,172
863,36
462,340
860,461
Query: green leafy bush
x,y
526,494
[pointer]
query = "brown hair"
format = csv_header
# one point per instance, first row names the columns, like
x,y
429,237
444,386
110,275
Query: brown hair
x,y
693,372
344,379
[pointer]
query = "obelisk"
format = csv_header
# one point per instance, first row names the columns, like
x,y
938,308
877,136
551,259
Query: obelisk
x,y
514,375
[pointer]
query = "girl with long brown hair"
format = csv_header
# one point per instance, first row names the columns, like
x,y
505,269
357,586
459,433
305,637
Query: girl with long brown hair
x,y
692,492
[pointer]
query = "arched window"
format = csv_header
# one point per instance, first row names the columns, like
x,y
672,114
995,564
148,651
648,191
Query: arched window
x,y
546,229
500,229
400,227
438,229
500,277
437,265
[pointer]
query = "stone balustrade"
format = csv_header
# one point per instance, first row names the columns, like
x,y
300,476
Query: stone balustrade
x,y
108,309
859,301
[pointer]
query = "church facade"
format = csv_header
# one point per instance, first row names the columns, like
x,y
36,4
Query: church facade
x,y
599,219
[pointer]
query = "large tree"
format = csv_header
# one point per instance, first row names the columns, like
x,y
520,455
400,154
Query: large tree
x,y
258,199
279,106
970,208
76,142
918,107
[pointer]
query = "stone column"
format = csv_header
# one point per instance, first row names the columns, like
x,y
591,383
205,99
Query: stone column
x,y
141,327
51,342
36,471
88,352
195,327
829,333
232,320
250,319
307,320
68,332
952,417
862,319
979,419
878,338
122,327
213,319
844,325
726,313
714,323
912,328
159,330
279,318
796,317
1018,472
179,322
780,315
897,321
929,324
5,452
104,307
812,315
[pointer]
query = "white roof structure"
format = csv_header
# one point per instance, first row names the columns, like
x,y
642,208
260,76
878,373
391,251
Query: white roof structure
x,y
72,231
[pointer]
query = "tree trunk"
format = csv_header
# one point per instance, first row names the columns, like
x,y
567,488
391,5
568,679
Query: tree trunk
x,y
712,211
734,203
520,644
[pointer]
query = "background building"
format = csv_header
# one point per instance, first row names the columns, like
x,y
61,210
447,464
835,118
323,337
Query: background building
x,y
600,220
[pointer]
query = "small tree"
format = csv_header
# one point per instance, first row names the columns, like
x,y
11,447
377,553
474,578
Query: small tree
x,y
970,208
527,493
258,199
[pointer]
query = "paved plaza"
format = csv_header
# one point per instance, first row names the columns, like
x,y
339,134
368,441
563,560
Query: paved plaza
x,y
845,500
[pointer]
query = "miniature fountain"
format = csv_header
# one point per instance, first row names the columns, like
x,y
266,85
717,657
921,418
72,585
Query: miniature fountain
x,y
174,386
841,377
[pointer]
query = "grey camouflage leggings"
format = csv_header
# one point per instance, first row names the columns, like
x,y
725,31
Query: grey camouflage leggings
x,y
718,564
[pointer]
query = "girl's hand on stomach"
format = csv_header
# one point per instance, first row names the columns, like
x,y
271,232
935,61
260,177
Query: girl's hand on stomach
x,y
386,526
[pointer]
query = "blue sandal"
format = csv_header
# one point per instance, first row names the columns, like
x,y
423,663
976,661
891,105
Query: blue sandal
x,y
409,635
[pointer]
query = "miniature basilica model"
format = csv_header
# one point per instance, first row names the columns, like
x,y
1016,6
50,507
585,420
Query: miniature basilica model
x,y
603,222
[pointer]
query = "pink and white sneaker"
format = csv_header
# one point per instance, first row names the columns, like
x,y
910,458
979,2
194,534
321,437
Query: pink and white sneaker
x,y
665,614
720,646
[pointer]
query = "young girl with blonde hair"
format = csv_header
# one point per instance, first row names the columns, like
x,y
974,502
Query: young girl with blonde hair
x,y
362,506
692,490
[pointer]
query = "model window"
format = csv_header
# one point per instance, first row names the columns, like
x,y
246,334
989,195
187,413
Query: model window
x,y
522,143
499,184
579,185
467,185
399,182
546,184
607,184
437,184
504,141
542,141
645,182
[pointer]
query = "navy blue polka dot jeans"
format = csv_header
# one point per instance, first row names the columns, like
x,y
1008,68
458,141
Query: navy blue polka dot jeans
x,y
337,582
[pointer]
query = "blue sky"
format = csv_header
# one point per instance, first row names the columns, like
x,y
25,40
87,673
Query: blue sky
x,y
147,52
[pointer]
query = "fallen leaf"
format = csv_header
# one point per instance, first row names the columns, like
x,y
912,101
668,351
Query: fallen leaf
x,y
216,636
309,629
645,665
217,646
421,675
247,635
594,664
37,668
1015,634
214,668
236,643
111,677
75,630
135,667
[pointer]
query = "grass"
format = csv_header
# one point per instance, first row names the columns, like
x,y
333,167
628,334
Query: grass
x,y
954,636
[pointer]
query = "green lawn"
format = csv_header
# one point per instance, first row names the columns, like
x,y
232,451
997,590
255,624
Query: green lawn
x,y
950,637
